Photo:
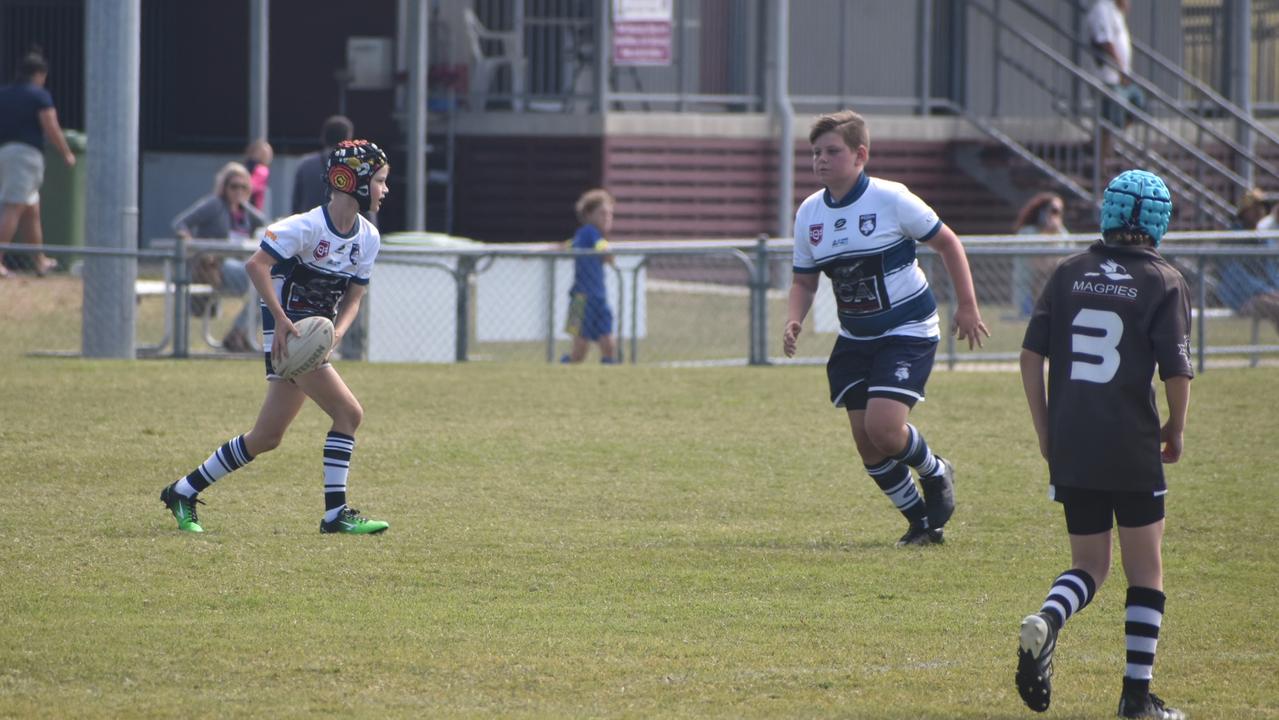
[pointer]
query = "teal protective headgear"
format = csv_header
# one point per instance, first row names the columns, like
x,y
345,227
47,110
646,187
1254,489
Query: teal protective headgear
x,y
1137,201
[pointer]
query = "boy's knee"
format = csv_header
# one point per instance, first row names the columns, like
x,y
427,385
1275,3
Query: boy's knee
x,y
886,439
350,417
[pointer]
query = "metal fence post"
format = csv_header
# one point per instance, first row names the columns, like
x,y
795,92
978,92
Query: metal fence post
x,y
639,268
550,309
181,299
1202,302
619,354
759,303
465,269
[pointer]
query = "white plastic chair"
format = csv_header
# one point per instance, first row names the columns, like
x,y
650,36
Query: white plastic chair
x,y
484,66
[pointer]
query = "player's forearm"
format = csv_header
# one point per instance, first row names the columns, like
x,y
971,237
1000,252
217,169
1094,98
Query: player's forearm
x,y
956,262
53,131
800,300
1177,390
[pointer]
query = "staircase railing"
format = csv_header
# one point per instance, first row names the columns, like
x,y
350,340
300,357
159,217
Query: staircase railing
x,y
1164,136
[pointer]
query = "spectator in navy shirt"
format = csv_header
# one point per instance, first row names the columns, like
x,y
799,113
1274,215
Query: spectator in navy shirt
x,y
27,118
590,319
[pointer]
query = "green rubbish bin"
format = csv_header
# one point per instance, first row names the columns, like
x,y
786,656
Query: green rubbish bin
x,y
62,197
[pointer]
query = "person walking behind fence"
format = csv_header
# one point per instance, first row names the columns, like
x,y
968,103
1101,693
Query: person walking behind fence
x,y
27,119
862,233
590,319
1041,215
1105,320
315,263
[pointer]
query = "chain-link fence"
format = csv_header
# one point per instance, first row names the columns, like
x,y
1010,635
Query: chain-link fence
x,y
673,303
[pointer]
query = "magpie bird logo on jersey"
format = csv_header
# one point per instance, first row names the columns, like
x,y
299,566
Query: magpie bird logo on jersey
x,y
322,250
1112,270
355,253
815,233
866,224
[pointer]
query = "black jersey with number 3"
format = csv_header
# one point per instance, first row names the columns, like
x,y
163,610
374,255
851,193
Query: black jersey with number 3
x,y
1105,319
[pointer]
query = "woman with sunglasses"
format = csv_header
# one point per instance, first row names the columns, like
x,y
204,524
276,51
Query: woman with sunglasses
x,y
1043,214
227,215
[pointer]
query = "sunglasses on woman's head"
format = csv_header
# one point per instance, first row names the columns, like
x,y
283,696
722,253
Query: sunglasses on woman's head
x,y
238,186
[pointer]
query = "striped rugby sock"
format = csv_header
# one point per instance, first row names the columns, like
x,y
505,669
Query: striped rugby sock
x,y
894,479
227,459
1070,593
918,455
1143,616
337,463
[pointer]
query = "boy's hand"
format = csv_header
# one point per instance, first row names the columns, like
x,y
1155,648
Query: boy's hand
x,y
1171,439
284,328
967,325
790,337
337,340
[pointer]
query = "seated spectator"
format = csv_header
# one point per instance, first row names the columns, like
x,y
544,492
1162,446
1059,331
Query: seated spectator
x,y
1041,215
1249,285
224,215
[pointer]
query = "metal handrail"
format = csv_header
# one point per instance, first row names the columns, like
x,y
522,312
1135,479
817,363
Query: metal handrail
x,y
1220,102
1100,89
1152,55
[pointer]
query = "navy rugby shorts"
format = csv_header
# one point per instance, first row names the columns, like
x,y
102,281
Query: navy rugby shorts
x,y
894,367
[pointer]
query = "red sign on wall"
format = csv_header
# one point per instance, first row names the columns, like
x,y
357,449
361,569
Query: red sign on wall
x,y
642,32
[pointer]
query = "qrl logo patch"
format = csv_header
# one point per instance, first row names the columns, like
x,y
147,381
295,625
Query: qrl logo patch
x,y
866,224
815,234
322,250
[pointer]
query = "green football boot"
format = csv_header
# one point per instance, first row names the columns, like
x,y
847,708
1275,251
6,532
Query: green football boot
x,y
183,509
350,521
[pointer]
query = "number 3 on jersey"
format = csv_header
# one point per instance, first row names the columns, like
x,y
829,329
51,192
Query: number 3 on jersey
x,y
1104,346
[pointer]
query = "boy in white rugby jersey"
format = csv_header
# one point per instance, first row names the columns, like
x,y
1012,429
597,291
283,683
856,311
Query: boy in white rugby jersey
x,y
313,263
862,232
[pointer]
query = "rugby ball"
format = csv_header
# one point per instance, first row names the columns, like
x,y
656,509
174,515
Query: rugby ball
x,y
308,350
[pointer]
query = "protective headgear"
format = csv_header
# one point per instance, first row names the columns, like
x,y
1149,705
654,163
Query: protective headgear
x,y
1137,201
351,166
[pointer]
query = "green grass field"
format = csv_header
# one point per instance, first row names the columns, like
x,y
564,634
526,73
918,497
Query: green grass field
x,y
588,541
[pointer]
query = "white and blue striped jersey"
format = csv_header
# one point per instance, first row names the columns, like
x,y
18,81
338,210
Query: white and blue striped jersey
x,y
316,264
865,243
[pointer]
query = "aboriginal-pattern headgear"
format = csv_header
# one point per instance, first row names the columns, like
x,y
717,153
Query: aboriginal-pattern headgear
x,y
1137,201
351,166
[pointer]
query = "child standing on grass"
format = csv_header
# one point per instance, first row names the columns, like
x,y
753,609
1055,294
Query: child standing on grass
x,y
314,263
1104,320
590,319
861,232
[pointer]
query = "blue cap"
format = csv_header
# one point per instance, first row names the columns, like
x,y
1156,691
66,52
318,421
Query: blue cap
x,y
1139,201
